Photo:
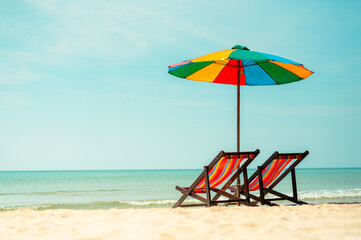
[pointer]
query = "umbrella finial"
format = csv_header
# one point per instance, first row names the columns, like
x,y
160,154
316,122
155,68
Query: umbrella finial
x,y
240,47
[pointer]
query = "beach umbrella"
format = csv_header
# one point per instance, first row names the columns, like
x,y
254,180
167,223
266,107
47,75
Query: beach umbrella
x,y
240,66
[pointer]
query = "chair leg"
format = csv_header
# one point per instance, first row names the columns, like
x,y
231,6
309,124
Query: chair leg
x,y
208,192
294,185
246,187
260,182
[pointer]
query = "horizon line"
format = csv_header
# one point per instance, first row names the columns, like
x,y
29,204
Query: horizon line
x,y
155,169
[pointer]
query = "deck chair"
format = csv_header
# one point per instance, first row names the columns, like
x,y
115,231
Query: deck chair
x,y
272,172
225,166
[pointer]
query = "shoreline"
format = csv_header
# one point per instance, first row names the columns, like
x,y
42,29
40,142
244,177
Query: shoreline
x,y
140,204
324,221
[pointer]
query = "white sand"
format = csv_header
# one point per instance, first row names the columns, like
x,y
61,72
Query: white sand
x,y
327,221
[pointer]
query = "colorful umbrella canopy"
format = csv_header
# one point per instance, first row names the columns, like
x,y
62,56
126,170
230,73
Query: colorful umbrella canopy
x,y
252,68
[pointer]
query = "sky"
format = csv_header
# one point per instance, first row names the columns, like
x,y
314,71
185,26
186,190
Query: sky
x,y
85,85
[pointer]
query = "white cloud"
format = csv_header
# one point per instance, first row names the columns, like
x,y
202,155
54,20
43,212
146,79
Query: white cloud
x,y
14,76
13,99
114,29
71,34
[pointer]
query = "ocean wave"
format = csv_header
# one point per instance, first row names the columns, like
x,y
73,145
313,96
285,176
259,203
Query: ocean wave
x,y
350,195
100,205
331,194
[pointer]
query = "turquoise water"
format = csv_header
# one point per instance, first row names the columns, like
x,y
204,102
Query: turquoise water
x,y
149,188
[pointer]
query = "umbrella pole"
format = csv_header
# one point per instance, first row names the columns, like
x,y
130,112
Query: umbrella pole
x,y
238,122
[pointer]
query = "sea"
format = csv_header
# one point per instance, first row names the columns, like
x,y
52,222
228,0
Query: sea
x,y
106,189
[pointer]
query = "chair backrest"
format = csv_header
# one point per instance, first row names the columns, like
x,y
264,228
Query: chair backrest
x,y
223,169
273,167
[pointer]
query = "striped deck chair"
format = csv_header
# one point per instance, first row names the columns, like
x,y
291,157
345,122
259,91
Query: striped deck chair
x,y
225,167
273,171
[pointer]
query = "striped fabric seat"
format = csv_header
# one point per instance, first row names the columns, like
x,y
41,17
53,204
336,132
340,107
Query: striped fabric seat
x,y
273,170
216,178
221,171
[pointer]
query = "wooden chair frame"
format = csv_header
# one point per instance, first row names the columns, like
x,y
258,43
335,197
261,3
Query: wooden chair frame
x,y
207,201
263,191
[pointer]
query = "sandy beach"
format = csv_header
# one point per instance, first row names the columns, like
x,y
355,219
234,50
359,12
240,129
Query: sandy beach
x,y
326,221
